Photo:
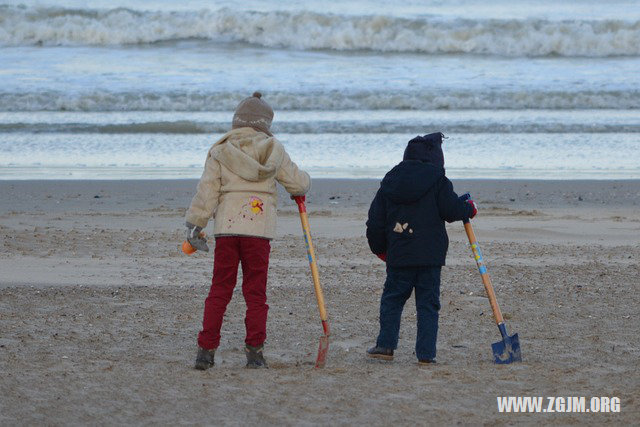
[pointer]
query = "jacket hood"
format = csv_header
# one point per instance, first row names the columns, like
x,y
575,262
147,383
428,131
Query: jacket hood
x,y
408,181
426,148
250,154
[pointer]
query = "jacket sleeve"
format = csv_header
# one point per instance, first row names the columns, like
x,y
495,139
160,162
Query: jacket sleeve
x,y
450,206
205,202
376,235
297,182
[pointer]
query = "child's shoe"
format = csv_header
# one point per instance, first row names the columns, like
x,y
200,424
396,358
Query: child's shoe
x,y
426,361
204,360
380,353
255,359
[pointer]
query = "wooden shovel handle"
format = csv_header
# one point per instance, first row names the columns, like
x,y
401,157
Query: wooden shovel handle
x,y
482,269
312,259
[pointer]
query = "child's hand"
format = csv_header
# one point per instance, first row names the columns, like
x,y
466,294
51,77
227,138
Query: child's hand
x,y
196,237
473,206
466,197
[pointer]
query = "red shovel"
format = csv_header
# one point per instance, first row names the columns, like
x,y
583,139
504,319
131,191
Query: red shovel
x,y
324,339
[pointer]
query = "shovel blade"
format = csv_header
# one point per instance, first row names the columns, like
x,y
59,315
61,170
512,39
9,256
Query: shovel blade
x,y
323,348
507,351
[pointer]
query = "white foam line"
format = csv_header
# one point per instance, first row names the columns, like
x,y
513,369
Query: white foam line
x,y
310,30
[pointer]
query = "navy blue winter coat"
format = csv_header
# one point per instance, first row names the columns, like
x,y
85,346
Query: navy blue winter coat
x,y
406,218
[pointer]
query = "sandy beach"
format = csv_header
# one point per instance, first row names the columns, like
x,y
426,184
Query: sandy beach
x,y
99,310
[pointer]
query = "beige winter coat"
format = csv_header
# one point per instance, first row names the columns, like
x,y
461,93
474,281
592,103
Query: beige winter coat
x,y
238,185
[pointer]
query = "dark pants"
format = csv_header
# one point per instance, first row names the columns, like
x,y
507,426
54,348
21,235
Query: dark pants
x,y
253,254
397,289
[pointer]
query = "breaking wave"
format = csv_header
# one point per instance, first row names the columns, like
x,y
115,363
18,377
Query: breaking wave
x,y
324,101
322,127
309,30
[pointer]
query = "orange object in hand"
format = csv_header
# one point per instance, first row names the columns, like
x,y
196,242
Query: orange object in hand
x,y
187,248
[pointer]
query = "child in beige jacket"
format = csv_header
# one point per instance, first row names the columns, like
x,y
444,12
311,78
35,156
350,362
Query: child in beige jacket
x,y
238,189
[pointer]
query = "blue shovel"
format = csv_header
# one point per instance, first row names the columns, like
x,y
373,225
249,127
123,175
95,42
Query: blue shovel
x,y
507,350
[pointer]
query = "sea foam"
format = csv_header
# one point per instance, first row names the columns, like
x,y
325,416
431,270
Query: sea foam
x,y
102,100
311,30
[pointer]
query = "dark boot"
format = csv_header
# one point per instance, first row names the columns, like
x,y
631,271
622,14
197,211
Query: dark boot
x,y
255,359
204,360
380,353
426,361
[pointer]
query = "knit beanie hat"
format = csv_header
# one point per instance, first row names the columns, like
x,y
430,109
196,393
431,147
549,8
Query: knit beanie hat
x,y
253,112
426,148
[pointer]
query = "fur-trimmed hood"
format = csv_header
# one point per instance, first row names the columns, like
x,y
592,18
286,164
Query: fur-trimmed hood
x,y
252,155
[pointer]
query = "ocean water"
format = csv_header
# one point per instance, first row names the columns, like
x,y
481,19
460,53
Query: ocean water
x,y
522,88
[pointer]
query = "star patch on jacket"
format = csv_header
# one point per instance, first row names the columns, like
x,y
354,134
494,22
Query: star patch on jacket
x,y
401,228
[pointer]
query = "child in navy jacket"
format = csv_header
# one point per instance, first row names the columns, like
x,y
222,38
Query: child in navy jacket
x,y
406,229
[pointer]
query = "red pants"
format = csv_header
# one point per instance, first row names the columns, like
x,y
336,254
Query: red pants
x,y
253,253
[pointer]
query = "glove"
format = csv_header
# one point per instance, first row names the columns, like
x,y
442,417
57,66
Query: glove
x,y
473,206
466,197
383,257
196,237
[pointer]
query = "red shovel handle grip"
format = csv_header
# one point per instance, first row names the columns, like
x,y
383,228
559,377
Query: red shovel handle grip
x,y
300,202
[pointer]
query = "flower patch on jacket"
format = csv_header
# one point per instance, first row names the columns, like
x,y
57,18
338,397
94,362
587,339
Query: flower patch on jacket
x,y
256,205
247,212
